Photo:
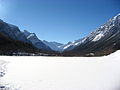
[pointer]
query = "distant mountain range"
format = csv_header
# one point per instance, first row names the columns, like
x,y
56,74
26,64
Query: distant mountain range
x,y
35,41
103,41
54,45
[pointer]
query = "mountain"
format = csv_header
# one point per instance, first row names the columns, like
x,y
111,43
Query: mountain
x,y
103,41
8,46
35,41
12,31
14,41
54,45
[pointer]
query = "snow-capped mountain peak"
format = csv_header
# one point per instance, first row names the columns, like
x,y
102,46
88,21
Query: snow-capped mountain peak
x,y
36,41
104,31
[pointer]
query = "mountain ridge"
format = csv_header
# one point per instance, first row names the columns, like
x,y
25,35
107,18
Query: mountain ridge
x,y
36,41
103,41
95,42
77,42
12,31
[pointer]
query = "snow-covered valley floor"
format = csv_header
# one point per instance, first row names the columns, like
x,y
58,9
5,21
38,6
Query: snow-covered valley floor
x,y
63,73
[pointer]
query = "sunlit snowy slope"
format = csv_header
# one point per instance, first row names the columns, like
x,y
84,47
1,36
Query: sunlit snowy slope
x,y
63,73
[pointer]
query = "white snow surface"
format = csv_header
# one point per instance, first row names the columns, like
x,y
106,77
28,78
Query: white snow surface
x,y
63,73
2,67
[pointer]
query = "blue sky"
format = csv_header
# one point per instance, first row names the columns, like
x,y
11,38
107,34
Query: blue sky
x,y
58,20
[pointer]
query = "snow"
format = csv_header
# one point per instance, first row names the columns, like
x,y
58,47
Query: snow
x,y
63,73
102,26
67,46
77,43
98,37
31,35
114,18
98,34
74,43
2,68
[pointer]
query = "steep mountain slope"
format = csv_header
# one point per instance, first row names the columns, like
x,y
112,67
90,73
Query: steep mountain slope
x,y
54,45
35,41
103,41
12,31
12,40
8,46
